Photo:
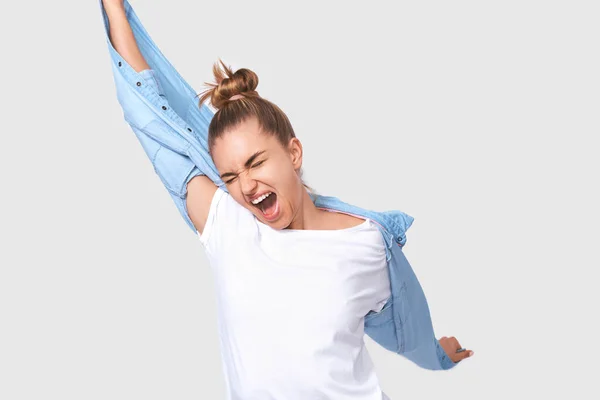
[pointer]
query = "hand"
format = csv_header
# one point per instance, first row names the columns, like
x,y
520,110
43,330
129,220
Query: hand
x,y
450,345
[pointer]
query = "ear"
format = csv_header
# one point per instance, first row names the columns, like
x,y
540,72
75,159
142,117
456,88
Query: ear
x,y
295,149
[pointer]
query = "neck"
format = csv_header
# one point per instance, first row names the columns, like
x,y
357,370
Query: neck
x,y
308,216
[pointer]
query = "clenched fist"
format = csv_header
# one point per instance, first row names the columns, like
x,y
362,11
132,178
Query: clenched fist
x,y
450,345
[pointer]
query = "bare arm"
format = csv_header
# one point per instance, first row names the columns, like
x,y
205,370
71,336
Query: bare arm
x,y
200,189
121,35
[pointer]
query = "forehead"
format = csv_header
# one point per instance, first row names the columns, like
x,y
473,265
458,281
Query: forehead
x,y
234,147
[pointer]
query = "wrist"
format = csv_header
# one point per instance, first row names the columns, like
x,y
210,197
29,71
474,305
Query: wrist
x,y
445,360
113,9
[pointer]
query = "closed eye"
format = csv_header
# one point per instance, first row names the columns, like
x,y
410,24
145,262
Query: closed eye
x,y
255,165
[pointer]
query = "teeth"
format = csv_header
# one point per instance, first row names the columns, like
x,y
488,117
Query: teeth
x,y
261,198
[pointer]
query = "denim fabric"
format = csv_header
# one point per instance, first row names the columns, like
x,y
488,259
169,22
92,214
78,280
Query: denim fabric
x,y
404,324
163,111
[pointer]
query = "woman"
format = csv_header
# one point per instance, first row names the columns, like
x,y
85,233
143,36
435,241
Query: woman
x,y
294,280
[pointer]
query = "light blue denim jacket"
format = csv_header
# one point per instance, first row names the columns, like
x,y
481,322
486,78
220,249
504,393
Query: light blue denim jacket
x,y
162,110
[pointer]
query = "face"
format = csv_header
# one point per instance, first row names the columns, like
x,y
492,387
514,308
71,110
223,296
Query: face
x,y
252,163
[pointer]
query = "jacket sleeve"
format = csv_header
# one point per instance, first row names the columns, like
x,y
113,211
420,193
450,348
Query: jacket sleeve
x,y
418,341
161,109
174,169
404,325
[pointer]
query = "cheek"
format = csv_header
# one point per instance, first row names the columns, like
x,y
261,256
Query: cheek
x,y
282,175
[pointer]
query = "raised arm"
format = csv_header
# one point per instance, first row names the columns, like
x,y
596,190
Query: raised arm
x,y
161,109
121,35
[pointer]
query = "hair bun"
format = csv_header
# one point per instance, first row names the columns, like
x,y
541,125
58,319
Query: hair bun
x,y
228,83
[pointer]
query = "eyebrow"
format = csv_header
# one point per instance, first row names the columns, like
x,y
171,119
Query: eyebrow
x,y
246,164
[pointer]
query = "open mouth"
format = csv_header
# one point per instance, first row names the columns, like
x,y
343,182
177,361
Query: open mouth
x,y
268,207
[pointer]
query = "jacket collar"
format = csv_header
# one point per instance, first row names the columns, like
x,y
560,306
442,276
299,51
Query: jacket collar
x,y
393,224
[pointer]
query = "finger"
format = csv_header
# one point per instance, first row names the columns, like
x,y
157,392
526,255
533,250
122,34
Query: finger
x,y
455,342
462,354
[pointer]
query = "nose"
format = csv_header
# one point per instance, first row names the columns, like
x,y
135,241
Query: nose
x,y
247,184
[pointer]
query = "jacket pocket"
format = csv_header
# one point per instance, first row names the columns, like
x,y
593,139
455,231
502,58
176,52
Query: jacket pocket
x,y
166,136
173,169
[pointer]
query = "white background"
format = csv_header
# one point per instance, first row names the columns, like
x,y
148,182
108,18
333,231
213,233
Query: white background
x,y
477,118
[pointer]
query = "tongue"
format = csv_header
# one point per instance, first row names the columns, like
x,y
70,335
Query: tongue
x,y
267,206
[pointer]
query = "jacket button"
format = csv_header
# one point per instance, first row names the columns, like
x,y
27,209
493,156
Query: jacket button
x,y
120,63
139,83
189,129
399,239
164,107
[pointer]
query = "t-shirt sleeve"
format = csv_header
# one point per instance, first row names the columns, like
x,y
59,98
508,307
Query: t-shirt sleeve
x,y
382,281
209,227
227,222
379,305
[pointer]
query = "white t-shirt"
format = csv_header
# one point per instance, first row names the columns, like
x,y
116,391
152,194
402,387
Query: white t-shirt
x,y
291,305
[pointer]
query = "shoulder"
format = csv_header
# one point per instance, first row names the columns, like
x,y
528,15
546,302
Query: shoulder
x,y
224,220
338,220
